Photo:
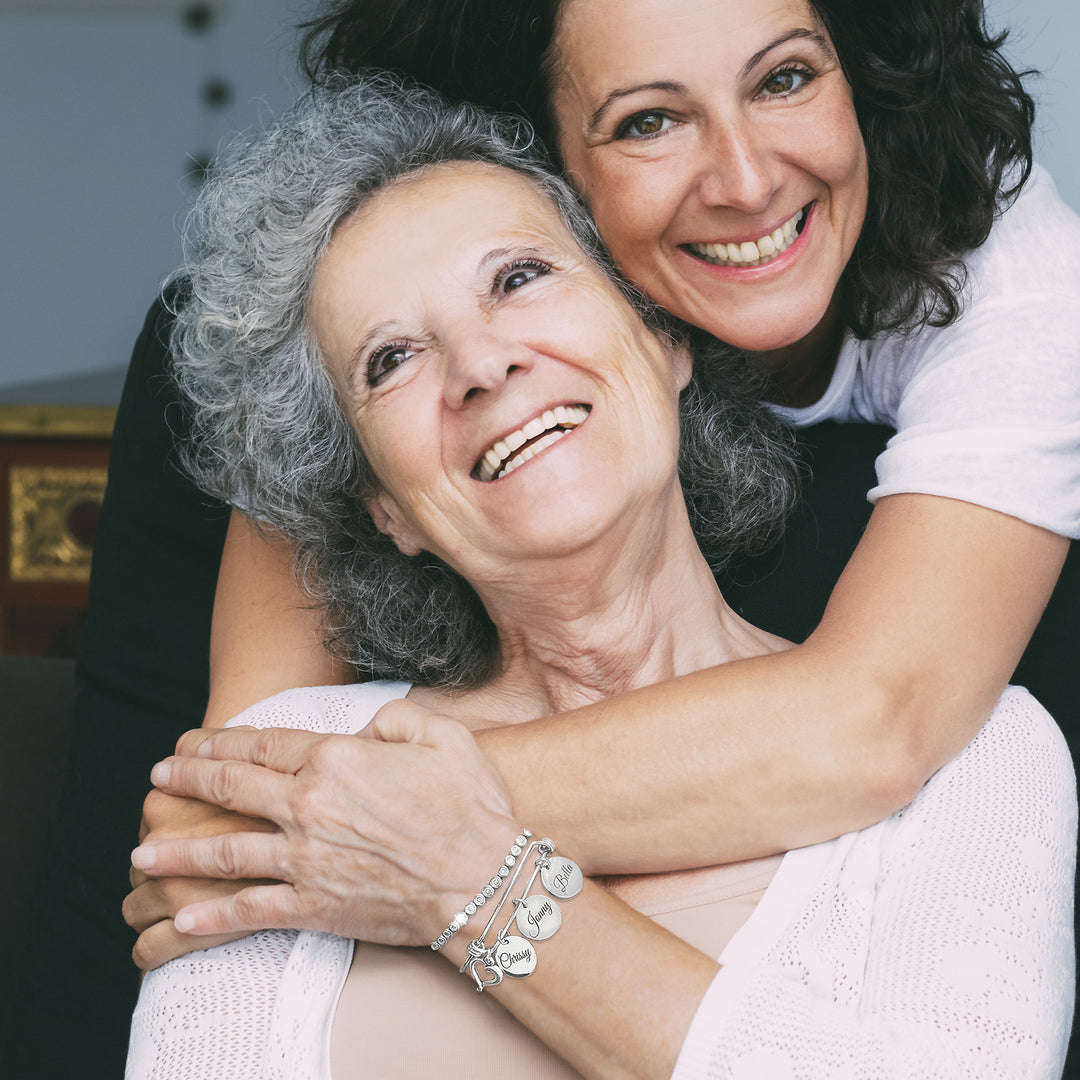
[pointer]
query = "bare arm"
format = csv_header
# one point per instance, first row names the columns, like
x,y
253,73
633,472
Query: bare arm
x,y
920,636
266,635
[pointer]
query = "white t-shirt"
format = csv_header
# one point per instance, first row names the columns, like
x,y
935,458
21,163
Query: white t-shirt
x,y
986,410
937,943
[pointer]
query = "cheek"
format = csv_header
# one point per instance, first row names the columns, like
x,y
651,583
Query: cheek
x,y
633,207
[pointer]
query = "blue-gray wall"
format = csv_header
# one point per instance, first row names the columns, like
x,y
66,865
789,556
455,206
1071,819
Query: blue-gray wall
x,y
101,111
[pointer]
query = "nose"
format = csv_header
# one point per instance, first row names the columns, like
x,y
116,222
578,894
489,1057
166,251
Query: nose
x,y
734,170
479,362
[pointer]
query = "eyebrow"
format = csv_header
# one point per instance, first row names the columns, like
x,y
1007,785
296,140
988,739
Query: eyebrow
x,y
815,36
680,88
389,326
626,91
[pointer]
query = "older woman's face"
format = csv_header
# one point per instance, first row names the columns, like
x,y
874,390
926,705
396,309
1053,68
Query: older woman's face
x,y
716,142
508,398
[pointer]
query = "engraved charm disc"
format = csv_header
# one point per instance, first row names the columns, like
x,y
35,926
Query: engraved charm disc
x,y
538,917
516,957
562,878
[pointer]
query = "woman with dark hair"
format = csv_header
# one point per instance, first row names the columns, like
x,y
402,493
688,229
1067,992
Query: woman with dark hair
x,y
846,209
405,353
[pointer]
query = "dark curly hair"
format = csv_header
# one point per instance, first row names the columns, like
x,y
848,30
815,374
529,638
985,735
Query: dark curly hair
x,y
945,118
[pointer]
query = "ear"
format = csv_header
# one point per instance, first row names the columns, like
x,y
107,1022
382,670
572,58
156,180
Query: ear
x,y
389,520
682,364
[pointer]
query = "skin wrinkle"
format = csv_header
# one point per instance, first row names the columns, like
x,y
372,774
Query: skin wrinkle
x,y
596,629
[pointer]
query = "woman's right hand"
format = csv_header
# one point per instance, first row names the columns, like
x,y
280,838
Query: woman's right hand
x,y
150,906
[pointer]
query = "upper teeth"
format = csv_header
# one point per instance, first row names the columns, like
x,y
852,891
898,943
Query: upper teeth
x,y
751,252
501,458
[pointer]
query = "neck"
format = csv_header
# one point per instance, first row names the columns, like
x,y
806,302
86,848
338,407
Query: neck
x,y
638,609
800,372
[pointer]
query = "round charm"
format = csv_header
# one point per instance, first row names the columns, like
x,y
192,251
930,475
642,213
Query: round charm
x,y
516,957
562,878
538,917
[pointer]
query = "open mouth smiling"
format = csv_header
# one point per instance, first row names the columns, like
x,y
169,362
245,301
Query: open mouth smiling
x,y
753,252
517,447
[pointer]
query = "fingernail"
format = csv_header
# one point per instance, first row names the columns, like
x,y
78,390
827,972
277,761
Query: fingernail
x,y
144,857
160,773
183,922
203,749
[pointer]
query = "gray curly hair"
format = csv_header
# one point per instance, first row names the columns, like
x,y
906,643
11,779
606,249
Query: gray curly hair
x,y
269,436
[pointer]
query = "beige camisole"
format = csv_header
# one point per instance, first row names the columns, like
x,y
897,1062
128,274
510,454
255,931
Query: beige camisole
x,y
407,1013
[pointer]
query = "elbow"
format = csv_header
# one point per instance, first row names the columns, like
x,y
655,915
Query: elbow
x,y
895,745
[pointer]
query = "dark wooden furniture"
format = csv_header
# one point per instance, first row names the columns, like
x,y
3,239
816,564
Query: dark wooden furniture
x,y
53,462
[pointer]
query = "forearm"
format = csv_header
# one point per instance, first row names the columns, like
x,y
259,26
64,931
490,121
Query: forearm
x,y
613,993
267,634
774,752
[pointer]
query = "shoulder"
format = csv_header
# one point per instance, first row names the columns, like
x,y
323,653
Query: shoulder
x,y
325,709
1017,772
1034,246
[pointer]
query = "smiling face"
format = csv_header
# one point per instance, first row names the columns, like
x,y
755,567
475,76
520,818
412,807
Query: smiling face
x,y
717,145
510,402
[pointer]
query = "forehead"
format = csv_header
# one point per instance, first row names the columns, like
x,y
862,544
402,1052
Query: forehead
x,y
638,33
466,201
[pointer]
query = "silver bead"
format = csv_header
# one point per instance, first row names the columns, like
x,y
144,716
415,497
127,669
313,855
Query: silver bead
x,y
515,850
459,920
495,882
470,909
489,891
504,871
479,899
523,839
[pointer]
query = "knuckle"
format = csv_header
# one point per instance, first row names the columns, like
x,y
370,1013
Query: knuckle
x,y
247,909
145,955
188,742
224,857
154,805
225,782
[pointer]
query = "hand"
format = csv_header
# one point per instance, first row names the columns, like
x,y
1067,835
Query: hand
x,y
150,906
380,838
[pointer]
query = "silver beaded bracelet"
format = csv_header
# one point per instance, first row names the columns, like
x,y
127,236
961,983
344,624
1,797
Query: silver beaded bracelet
x,y
536,917
486,893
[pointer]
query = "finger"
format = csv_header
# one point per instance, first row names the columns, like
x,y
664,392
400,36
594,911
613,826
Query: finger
x,y
234,785
402,721
260,907
144,906
281,749
163,942
188,744
229,857
136,877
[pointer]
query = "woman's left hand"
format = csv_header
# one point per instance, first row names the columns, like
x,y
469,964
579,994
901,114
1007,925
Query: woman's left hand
x,y
381,838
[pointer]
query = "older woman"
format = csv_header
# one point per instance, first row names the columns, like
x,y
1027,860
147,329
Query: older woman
x,y
792,129
406,356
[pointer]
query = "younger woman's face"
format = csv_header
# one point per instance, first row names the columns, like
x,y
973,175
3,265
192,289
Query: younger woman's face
x,y
717,145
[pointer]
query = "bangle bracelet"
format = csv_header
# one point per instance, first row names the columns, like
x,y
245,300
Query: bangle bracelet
x,y
536,917
520,845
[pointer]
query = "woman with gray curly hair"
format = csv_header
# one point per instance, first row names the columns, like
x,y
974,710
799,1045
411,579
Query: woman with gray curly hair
x,y
406,353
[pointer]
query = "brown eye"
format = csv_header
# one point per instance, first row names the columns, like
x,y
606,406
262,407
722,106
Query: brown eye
x,y
385,361
784,82
647,124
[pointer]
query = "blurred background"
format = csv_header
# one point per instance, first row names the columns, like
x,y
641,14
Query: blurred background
x,y
109,106
111,110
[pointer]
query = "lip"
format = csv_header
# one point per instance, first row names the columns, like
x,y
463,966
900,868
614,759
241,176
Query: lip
x,y
774,266
562,417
